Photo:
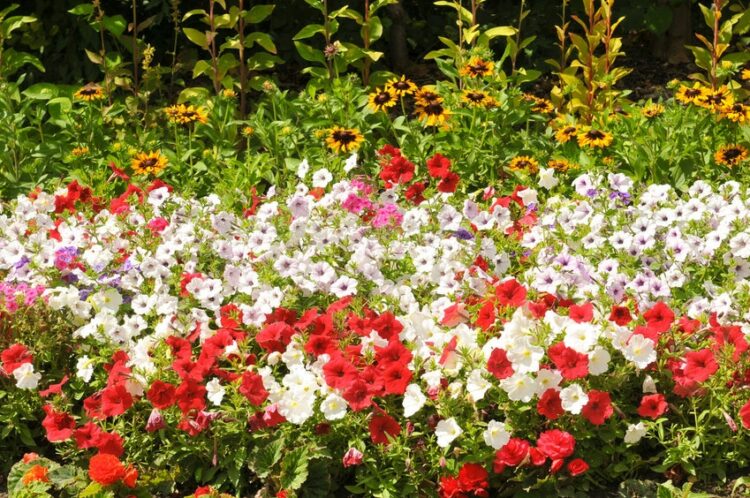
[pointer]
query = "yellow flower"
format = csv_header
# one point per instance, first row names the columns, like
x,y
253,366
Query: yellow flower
x,y
344,139
149,163
715,100
477,67
478,98
542,106
80,151
594,138
401,86
248,131
652,110
561,165
381,100
745,74
564,134
524,163
426,96
737,112
228,93
182,114
690,95
89,93
433,113
731,155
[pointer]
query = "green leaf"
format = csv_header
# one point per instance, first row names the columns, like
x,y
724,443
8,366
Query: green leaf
x,y
197,37
91,490
192,13
309,31
658,19
294,469
262,39
115,24
258,13
318,484
82,9
500,31
59,106
266,456
41,91
375,29
309,54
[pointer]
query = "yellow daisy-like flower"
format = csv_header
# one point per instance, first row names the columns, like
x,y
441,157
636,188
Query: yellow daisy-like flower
x,y
524,163
594,138
478,98
425,96
401,86
540,105
344,139
248,131
652,110
89,93
737,112
477,67
182,114
149,163
745,74
561,165
566,133
731,155
715,100
433,113
80,151
381,100
228,93
690,95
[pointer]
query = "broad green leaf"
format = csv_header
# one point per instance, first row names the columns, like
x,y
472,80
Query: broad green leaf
x,y
82,9
197,37
309,54
294,468
258,13
308,31
41,91
262,39
115,24
500,31
266,456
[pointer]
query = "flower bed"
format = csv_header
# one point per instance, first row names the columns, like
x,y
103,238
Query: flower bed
x,y
377,336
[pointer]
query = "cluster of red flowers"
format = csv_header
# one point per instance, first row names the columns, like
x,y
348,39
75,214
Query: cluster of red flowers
x,y
554,444
397,169
471,481
76,194
13,357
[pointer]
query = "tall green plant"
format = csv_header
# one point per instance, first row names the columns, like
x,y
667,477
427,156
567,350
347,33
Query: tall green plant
x,y
12,60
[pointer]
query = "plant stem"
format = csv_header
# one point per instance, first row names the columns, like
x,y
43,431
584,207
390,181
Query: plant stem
x,y
243,66
135,49
366,42
717,6
214,60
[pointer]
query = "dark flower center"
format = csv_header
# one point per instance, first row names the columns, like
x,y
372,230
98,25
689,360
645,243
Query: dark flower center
x,y
344,136
595,135
731,154
382,98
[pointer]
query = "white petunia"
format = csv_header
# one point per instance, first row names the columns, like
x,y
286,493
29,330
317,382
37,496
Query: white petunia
x,y
635,432
547,178
496,435
25,376
573,399
333,407
414,400
215,391
447,431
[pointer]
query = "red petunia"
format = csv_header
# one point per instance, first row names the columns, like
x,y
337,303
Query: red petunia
x,y
58,425
652,406
87,435
396,378
15,356
582,313
191,396
252,388
438,166
162,394
599,407
659,317
110,442
54,388
486,317
556,444
499,365
550,404
358,395
415,193
472,479
449,183
116,400
620,315
700,365
511,293
382,426
339,373
571,363
275,337
745,415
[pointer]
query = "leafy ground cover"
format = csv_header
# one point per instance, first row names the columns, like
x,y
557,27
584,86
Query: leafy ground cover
x,y
452,289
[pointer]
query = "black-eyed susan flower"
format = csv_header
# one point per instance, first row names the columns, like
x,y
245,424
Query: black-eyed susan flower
x,y
690,95
89,93
426,96
433,113
716,99
478,98
731,155
382,100
737,112
652,110
594,138
477,67
149,163
561,165
566,133
539,105
182,114
524,163
401,86
344,139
